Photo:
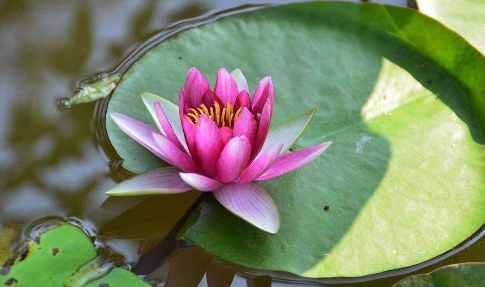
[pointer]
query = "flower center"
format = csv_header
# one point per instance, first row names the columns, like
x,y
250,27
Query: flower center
x,y
225,117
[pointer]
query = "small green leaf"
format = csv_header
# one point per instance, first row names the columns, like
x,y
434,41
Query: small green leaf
x,y
458,275
119,277
48,263
54,258
95,91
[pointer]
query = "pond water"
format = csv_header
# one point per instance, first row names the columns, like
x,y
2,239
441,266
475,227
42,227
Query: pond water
x,y
52,164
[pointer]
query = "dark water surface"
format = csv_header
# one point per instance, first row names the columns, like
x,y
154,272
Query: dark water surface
x,y
51,164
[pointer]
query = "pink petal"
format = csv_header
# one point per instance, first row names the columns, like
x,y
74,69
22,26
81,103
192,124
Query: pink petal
x,y
242,100
149,101
140,132
245,126
288,132
226,135
209,98
264,91
171,112
294,160
234,158
167,127
263,128
177,157
251,203
226,87
242,84
187,126
195,87
200,182
208,145
261,163
159,181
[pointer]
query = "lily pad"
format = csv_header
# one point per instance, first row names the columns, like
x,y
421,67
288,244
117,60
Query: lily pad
x,y
464,16
399,94
54,256
459,275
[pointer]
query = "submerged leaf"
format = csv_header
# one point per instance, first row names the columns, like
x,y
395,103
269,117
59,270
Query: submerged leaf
x,y
154,217
219,275
260,281
187,267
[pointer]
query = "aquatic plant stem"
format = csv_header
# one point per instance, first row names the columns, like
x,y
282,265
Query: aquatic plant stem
x,y
153,259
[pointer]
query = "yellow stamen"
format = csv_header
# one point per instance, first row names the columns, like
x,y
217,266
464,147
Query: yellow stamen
x,y
212,114
192,118
194,111
218,113
204,108
223,117
228,111
230,120
237,114
226,117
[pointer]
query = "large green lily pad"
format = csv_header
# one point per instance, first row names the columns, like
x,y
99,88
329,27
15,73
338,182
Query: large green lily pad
x,y
399,94
459,275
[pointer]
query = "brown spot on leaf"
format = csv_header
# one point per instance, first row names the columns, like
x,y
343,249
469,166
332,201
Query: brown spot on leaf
x,y
326,207
11,281
55,250
104,285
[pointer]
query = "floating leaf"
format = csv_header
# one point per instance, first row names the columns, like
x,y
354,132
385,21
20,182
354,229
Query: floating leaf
x,y
458,275
399,94
118,277
48,262
53,258
464,16
98,267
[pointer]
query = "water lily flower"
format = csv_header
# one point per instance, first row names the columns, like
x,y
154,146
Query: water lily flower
x,y
219,141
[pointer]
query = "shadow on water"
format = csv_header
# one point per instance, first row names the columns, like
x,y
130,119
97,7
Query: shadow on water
x,y
77,48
